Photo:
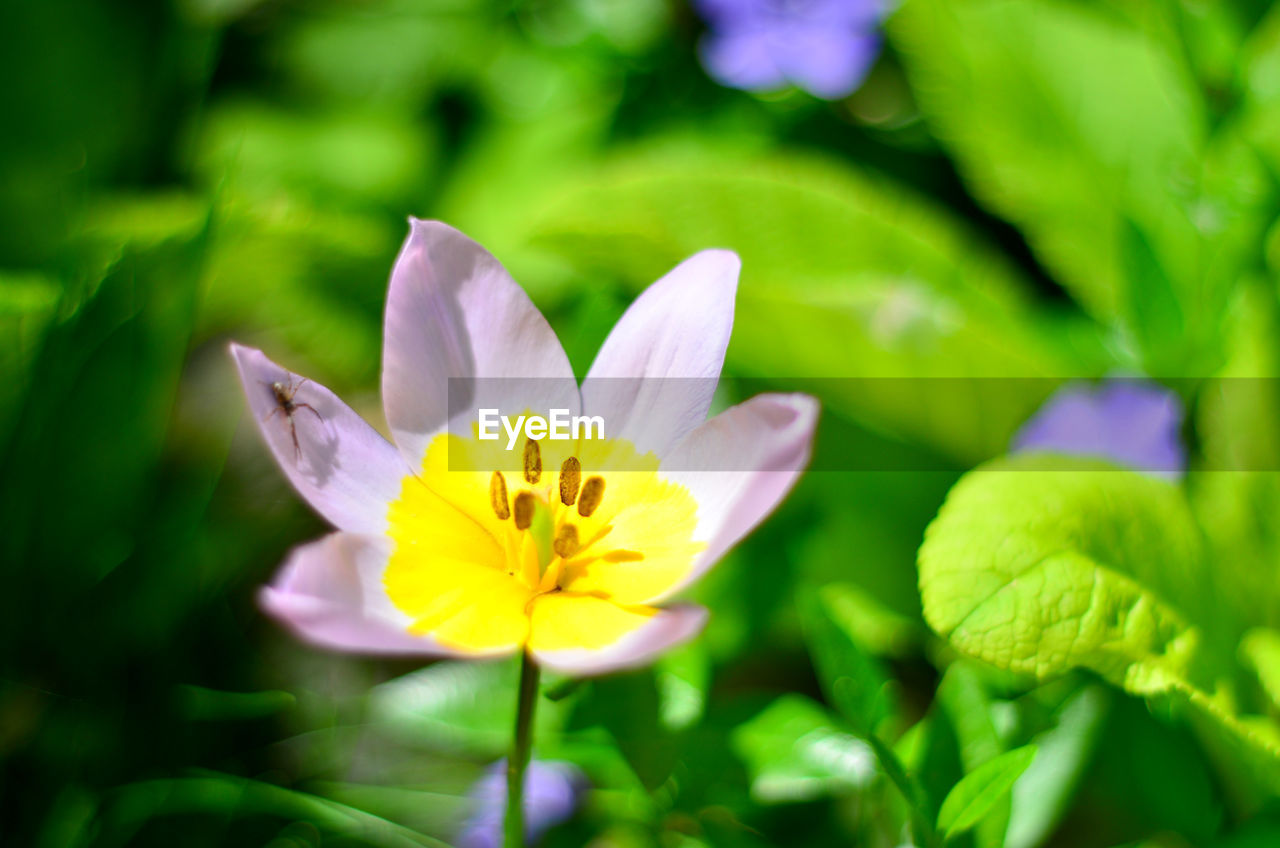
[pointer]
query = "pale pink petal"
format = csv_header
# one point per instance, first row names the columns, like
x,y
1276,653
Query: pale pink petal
x,y
739,466
341,466
653,379
461,334
330,593
655,635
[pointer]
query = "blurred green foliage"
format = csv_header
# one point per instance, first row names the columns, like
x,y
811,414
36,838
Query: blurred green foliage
x,y
1043,189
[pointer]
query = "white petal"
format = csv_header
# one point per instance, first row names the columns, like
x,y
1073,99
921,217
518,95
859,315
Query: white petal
x,y
330,594
340,465
461,335
653,379
739,466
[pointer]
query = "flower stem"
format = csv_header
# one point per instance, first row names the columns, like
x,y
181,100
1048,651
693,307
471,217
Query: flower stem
x,y
513,826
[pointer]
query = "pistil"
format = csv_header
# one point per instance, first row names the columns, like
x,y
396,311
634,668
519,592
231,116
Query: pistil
x,y
531,512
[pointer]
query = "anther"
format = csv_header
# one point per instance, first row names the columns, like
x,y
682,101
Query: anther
x,y
532,461
523,508
566,544
570,479
592,494
498,496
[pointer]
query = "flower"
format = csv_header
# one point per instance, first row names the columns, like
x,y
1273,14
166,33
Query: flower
x,y
1134,423
552,791
447,548
825,47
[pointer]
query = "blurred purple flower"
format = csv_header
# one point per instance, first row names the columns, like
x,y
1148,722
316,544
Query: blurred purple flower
x,y
1132,422
825,47
552,791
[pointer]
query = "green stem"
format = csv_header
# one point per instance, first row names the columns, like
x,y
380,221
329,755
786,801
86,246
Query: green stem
x,y
513,826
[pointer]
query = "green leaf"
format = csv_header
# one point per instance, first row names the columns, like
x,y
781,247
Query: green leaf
x,y
853,679
223,795
28,303
964,697
1041,571
629,707
794,752
360,157
1260,84
1083,131
980,790
855,682
683,677
1058,145
1043,793
460,706
911,359
1260,648
1234,417
833,260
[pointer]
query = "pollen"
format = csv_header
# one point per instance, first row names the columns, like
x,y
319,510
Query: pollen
x,y
498,496
524,506
566,544
532,461
592,495
570,479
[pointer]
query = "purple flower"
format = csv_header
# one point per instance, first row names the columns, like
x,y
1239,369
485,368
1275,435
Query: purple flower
x,y
552,791
825,47
553,547
1132,422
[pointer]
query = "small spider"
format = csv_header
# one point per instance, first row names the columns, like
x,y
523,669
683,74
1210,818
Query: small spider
x,y
284,393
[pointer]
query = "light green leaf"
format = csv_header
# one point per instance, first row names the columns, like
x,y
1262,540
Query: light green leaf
x,y
980,790
794,752
1041,571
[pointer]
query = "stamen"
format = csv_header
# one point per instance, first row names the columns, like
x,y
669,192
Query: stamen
x,y
532,461
592,495
566,544
498,496
523,508
570,479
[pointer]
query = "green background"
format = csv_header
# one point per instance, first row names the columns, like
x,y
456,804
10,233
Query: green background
x,y
1042,189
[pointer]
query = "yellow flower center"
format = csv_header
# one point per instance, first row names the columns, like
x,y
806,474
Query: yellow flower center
x,y
487,557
